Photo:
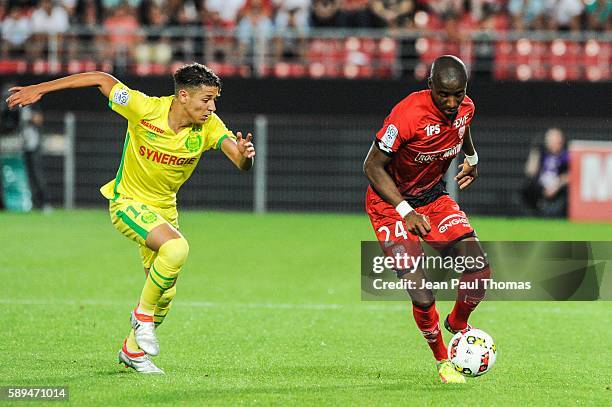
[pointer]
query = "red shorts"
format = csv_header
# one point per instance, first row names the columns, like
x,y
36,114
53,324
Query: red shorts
x,y
448,224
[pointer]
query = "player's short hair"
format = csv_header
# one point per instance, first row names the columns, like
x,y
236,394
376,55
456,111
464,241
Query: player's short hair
x,y
449,67
195,75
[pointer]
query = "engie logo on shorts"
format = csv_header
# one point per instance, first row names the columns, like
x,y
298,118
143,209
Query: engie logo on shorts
x,y
388,139
452,220
121,97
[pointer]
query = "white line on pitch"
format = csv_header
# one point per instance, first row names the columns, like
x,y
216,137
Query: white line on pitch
x,y
207,304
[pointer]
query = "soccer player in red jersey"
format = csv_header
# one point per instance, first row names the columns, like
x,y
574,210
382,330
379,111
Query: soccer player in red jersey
x,y
405,167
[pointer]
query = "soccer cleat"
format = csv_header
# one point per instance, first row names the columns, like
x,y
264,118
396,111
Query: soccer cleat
x,y
447,372
144,330
140,362
454,331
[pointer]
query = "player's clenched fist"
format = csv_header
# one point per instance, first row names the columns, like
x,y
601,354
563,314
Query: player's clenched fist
x,y
245,146
417,223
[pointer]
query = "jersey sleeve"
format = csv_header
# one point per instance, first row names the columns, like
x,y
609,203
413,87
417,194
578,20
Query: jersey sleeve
x,y
393,133
129,103
217,132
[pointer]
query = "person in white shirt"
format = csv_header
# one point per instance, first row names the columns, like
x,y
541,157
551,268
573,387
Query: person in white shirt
x,y
49,22
564,15
16,29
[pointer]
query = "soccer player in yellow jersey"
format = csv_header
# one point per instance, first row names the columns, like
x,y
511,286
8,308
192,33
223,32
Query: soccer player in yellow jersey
x,y
164,140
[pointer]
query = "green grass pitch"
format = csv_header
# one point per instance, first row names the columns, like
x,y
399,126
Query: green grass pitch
x,y
268,311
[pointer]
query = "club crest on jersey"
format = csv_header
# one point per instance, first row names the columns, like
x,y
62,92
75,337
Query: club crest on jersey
x,y
121,97
148,217
461,132
388,139
193,142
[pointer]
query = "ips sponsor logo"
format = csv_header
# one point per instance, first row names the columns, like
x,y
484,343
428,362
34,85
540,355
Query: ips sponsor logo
x,y
438,155
452,220
432,129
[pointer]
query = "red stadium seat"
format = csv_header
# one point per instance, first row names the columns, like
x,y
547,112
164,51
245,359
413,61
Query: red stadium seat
x,y
596,60
76,66
323,70
41,67
386,58
564,60
503,63
289,70
12,66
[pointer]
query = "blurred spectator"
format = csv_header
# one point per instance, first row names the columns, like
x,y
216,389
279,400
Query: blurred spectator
x,y
564,15
442,8
324,13
224,12
86,44
598,15
68,5
546,169
186,14
88,12
491,15
110,5
157,48
122,28
183,12
254,25
27,5
30,128
355,14
265,5
292,22
49,22
392,13
527,14
16,29
294,10
290,47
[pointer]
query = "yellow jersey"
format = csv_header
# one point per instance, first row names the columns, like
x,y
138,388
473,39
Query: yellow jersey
x,y
156,161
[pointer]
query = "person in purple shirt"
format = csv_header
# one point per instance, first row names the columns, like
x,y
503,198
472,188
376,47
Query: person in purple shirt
x,y
546,169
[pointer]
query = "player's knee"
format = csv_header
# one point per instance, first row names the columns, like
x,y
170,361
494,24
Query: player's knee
x,y
423,303
174,252
468,254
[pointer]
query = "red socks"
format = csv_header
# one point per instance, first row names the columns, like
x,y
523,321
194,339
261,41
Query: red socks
x,y
468,297
428,322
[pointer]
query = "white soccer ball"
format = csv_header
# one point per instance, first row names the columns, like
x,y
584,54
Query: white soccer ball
x,y
472,352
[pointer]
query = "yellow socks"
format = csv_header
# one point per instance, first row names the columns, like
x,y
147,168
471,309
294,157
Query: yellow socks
x,y
168,263
163,305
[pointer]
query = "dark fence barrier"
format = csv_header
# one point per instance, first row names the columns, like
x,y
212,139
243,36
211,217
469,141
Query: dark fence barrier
x,y
315,162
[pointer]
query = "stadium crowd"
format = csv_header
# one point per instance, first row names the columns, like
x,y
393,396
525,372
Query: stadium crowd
x,y
144,31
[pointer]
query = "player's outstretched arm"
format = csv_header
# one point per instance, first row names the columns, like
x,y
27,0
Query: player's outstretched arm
x,y
469,171
27,95
241,151
374,168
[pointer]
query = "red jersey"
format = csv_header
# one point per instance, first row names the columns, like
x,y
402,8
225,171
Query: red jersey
x,y
422,142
